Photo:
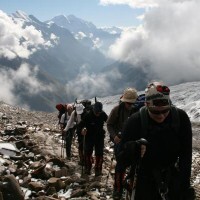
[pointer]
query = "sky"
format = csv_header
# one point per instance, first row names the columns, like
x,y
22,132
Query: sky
x,y
102,13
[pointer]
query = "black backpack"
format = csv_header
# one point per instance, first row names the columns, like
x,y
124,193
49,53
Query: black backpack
x,y
87,104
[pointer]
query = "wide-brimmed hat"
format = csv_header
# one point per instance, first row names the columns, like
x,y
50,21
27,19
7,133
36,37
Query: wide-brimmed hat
x,y
129,95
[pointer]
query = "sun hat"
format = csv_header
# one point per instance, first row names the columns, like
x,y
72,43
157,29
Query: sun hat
x,y
79,109
129,95
157,94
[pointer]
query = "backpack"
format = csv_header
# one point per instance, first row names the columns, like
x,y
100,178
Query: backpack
x,y
87,104
139,102
61,110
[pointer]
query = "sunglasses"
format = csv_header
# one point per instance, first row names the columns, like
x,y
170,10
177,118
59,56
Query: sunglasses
x,y
159,112
160,102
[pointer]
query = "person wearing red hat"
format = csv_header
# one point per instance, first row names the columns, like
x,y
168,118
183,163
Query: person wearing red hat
x,y
164,170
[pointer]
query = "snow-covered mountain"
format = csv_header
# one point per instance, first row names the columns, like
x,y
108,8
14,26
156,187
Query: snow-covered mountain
x,y
86,32
51,56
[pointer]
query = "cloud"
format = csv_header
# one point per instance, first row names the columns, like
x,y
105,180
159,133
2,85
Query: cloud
x,y
131,3
87,85
25,78
167,42
17,39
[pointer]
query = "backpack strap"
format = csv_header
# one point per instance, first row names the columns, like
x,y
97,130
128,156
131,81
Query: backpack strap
x,y
120,108
144,121
175,119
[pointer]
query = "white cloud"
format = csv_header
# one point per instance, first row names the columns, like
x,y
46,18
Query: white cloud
x,y
25,78
168,42
96,43
131,3
17,40
80,35
87,85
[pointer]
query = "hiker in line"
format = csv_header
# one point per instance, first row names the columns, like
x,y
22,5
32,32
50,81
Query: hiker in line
x,y
92,127
73,123
118,115
61,110
69,134
165,168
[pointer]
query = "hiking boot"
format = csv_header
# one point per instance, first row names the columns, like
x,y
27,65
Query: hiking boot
x,y
117,195
98,165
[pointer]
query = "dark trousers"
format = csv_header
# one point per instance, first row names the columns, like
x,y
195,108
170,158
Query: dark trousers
x,y
97,144
119,172
94,143
68,139
80,141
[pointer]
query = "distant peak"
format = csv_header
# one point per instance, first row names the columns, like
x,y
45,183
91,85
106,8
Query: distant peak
x,y
60,16
21,14
72,16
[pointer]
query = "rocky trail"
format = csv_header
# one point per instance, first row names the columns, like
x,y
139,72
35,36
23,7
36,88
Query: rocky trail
x,y
31,166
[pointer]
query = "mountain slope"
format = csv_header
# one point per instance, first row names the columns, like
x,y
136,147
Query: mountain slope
x,y
53,58
86,32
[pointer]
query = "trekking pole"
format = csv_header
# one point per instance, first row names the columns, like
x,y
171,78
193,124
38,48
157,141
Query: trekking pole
x,y
83,164
83,132
143,143
61,148
62,144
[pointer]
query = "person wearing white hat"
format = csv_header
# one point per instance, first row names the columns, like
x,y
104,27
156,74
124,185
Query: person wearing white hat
x,y
164,170
73,121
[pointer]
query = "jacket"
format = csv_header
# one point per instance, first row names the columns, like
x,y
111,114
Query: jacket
x,y
165,147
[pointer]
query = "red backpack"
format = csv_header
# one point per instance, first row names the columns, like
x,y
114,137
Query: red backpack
x,y
61,108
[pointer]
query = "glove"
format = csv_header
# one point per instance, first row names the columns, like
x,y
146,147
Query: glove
x,y
129,154
117,139
84,131
188,194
